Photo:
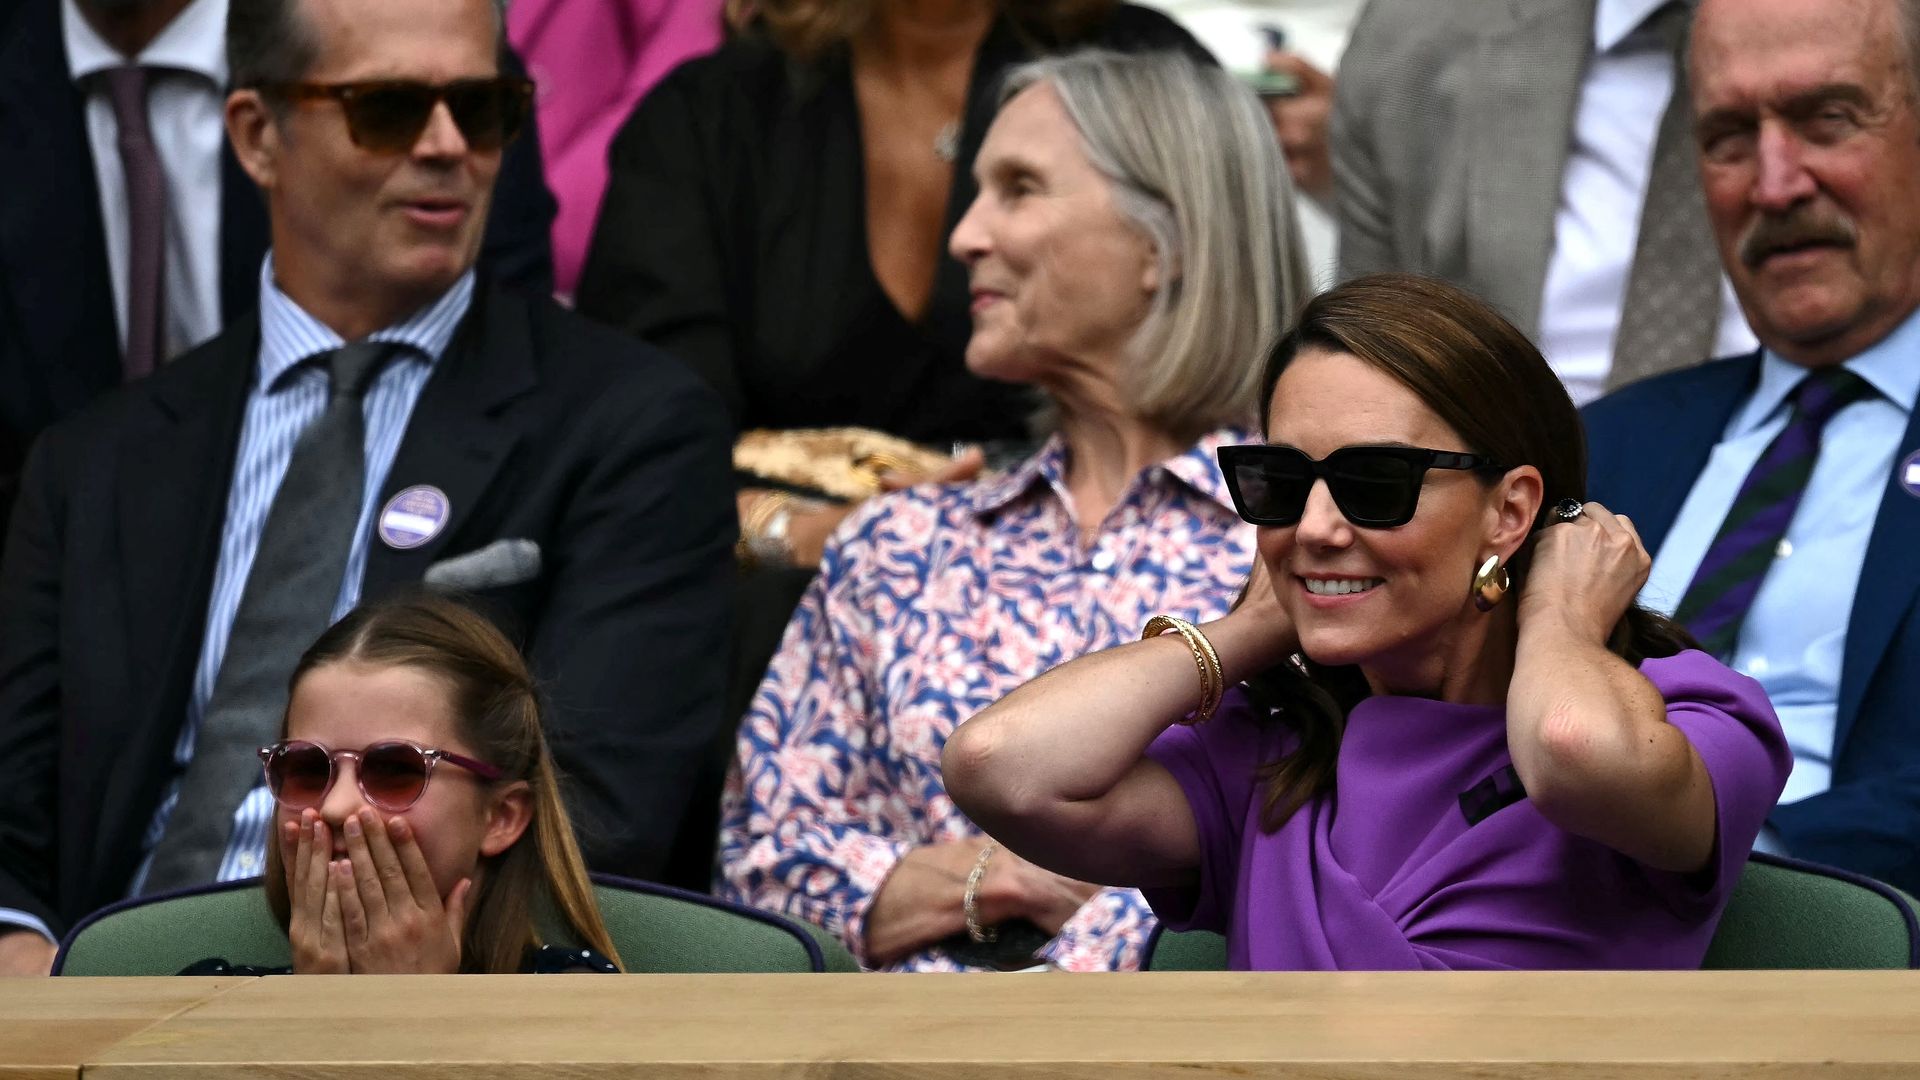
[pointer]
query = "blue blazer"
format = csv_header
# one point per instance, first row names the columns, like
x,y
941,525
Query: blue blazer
x,y
1647,444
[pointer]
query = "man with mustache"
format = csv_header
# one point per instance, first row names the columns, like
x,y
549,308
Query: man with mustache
x,y
1781,490
386,417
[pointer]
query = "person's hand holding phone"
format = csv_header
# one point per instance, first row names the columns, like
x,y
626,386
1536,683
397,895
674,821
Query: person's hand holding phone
x,y
1300,118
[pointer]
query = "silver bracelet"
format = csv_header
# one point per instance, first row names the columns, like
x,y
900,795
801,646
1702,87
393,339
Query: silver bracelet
x,y
970,899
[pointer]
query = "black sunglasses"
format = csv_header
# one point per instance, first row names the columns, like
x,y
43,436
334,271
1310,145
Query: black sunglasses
x,y
386,116
1376,487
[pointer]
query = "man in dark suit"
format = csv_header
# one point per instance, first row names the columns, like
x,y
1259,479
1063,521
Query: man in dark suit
x,y
65,263
385,419
1781,490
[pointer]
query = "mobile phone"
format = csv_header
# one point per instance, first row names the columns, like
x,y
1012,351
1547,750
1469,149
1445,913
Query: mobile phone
x,y
1274,84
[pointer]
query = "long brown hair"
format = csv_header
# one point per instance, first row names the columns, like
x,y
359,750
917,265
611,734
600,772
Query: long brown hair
x,y
806,29
1481,375
497,708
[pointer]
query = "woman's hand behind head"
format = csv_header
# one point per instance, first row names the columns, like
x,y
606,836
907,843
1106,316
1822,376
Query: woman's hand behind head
x,y
1585,574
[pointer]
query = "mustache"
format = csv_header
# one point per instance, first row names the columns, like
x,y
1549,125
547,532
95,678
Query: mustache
x,y
1803,225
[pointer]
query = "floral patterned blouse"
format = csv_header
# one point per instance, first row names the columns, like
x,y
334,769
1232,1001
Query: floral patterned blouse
x,y
930,605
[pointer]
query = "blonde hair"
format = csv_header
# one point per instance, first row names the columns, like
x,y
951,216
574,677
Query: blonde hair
x,y
805,29
1197,168
497,709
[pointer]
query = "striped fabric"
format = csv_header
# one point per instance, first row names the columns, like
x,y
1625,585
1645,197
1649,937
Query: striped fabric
x,y
1724,586
289,395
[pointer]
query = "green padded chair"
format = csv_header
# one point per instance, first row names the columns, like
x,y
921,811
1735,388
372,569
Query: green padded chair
x,y
658,930
1784,914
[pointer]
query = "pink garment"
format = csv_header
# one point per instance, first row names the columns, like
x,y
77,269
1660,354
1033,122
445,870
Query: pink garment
x,y
594,61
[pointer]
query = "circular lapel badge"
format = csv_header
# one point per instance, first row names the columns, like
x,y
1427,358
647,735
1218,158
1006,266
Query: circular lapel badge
x,y
414,516
1910,474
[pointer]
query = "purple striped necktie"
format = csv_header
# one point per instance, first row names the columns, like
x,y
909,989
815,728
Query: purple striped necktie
x,y
1744,549
146,220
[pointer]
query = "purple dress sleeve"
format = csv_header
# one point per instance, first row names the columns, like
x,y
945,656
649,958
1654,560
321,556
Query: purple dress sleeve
x,y
1732,726
1215,765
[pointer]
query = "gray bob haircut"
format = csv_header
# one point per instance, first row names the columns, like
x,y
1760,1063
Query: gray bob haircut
x,y
1196,167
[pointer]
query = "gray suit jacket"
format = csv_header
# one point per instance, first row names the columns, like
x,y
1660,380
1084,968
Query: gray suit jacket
x,y
1451,125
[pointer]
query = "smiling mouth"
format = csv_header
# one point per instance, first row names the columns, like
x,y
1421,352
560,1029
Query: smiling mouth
x,y
1342,587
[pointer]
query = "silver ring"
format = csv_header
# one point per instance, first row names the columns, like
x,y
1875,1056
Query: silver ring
x,y
1568,509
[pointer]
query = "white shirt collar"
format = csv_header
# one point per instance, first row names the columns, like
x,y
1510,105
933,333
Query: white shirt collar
x,y
1613,20
195,41
1891,365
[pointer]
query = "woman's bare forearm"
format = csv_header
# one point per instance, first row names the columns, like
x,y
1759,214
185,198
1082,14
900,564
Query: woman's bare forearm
x,y
1591,743
1056,771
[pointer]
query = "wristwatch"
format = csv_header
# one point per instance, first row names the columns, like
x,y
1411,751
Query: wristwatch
x,y
772,544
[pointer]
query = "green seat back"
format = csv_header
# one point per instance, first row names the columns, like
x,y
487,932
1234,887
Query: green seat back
x,y
660,930
1790,914
657,930
162,934
1185,950
1783,914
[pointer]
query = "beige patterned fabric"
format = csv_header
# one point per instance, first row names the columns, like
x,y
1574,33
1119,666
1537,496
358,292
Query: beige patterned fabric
x,y
846,463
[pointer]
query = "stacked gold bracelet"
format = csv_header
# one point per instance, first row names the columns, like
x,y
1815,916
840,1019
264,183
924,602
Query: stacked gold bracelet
x,y
1213,684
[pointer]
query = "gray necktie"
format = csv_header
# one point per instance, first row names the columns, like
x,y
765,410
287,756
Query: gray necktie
x,y
1672,308
287,602
146,220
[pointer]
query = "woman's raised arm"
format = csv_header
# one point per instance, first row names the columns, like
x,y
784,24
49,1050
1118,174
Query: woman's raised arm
x,y
1588,733
1057,770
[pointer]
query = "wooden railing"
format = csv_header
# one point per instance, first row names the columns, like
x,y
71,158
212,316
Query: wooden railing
x,y
892,1027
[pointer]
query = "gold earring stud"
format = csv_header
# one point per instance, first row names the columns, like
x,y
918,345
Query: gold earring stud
x,y
1490,584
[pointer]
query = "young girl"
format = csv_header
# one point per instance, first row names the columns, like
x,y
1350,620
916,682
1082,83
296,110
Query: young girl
x,y
420,825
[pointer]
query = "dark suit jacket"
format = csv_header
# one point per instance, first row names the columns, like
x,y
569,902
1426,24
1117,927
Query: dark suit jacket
x,y
537,424
59,335
1649,443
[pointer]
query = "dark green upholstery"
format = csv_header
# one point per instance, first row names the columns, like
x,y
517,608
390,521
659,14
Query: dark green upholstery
x,y
1783,914
165,934
1186,950
1790,914
657,930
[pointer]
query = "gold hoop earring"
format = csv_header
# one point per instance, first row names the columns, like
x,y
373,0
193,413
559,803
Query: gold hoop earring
x,y
1490,584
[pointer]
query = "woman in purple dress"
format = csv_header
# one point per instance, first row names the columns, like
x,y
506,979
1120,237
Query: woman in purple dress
x,y
1437,732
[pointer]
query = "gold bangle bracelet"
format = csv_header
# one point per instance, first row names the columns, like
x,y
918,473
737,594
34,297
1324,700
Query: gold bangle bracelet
x,y
1205,660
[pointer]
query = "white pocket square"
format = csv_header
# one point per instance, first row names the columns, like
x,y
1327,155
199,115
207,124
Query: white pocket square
x,y
501,563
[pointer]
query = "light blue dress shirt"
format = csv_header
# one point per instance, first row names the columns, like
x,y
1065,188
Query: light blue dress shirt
x,y
288,395
1795,634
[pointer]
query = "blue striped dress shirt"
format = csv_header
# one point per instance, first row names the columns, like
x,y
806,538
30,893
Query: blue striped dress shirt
x,y
289,394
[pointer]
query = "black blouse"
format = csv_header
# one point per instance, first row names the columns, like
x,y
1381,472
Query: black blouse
x,y
734,235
